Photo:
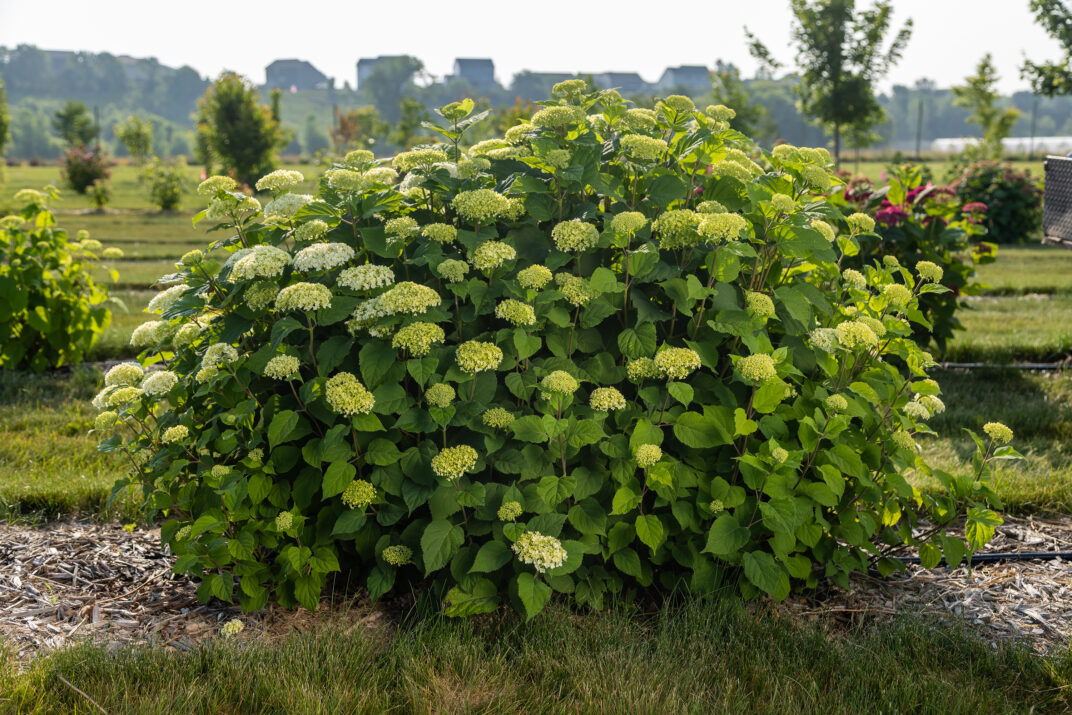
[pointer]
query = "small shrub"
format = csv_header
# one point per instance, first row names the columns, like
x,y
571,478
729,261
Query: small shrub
x,y
82,166
612,350
100,193
51,311
1012,200
917,221
167,183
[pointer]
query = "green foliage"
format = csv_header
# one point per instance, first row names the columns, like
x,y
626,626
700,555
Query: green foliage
x,y
137,136
167,183
1013,199
917,221
100,193
751,118
979,95
1052,78
51,310
613,351
840,55
83,166
74,125
5,117
236,131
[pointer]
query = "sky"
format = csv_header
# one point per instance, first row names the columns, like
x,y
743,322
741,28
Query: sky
x,y
949,38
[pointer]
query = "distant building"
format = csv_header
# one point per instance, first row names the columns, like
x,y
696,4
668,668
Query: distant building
x,y
294,74
686,77
366,65
478,72
626,82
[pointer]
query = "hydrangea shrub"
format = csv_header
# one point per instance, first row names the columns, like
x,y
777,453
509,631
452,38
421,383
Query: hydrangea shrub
x,y
51,310
612,350
917,222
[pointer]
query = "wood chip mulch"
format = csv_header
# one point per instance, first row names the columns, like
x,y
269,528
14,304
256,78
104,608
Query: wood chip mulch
x,y
68,581
1029,601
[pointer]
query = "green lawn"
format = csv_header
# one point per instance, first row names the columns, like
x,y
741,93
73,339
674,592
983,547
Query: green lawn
x,y
1021,270
697,656
127,191
1003,329
49,464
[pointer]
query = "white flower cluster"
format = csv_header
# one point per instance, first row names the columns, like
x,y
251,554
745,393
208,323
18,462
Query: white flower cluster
x,y
162,301
322,257
260,262
366,277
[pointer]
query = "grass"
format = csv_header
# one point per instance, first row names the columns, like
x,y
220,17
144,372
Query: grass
x,y
1036,406
1004,329
127,191
699,656
49,465
1023,270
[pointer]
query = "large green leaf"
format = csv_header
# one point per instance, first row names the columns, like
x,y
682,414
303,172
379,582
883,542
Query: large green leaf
x,y
481,597
650,530
439,542
492,556
726,536
532,593
766,574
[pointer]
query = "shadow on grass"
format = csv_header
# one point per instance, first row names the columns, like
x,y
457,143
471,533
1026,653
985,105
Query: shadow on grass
x,y
697,656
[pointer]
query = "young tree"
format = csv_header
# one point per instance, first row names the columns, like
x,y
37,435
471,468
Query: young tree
x,y
357,128
315,139
840,53
137,136
236,130
74,125
388,81
406,130
5,118
979,95
1052,78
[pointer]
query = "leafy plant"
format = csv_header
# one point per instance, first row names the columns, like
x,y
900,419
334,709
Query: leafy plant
x,y
917,221
100,193
1011,199
137,136
51,310
612,350
82,166
167,182
235,130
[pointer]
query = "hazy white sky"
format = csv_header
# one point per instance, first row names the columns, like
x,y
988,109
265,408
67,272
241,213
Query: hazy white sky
x,y
550,35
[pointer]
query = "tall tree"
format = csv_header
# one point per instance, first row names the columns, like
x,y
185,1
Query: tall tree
x,y
74,125
979,95
841,57
1052,78
236,130
387,83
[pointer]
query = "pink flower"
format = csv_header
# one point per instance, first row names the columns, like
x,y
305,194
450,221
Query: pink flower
x,y
891,215
974,207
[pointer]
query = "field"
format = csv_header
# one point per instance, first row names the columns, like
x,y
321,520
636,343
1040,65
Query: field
x,y
685,655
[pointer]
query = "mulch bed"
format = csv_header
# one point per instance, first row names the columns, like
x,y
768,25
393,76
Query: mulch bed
x,y
1029,601
68,581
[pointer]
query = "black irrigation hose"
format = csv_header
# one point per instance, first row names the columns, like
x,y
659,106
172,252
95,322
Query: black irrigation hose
x,y
1010,556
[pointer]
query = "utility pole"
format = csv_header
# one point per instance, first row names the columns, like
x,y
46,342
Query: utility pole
x,y
919,129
